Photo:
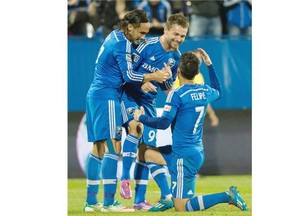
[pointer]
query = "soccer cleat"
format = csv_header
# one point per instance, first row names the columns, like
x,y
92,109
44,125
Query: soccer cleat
x,y
116,207
236,199
145,206
91,208
162,205
125,190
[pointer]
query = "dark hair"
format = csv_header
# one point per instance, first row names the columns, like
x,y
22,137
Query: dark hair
x,y
177,19
135,17
189,65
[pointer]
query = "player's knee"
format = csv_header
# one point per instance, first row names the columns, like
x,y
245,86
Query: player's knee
x,y
146,155
98,148
149,155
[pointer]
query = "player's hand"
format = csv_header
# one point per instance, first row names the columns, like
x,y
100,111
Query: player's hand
x,y
148,87
205,57
137,113
161,76
167,70
214,121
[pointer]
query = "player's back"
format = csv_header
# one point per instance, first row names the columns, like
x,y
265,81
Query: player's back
x,y
108,79
187,128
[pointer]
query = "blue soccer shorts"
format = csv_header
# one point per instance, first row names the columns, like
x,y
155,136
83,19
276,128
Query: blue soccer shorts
x,y
103,119
129,105
183,173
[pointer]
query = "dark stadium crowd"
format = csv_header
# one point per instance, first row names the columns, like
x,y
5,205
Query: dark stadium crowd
x,y
218,17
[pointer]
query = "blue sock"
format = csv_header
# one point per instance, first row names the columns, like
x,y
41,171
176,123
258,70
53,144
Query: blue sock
x,y
206,201
158,173
93,167
129,154
109,177
141,175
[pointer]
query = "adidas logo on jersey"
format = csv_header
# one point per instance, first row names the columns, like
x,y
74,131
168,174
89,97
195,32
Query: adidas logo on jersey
x,y
152,58
190,192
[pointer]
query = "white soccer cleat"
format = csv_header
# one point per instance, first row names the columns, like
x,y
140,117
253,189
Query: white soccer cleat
x,y
91,208
116,207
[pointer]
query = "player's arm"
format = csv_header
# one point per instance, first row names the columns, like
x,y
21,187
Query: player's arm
x,y
214,80
159,76
148,87
124,59
167,86
163,122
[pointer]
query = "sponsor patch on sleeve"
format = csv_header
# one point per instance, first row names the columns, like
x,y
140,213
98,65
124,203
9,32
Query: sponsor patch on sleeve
x,y
128,57
135,57
167,108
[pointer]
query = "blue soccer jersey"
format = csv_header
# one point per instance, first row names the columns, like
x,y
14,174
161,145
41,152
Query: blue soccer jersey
x,y
189,102
185,110
148,57
113,67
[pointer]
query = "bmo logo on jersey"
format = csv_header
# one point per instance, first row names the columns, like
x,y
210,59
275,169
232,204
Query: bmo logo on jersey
x,y
149,68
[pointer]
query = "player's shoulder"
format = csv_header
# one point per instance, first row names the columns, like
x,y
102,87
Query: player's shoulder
x,y
117,36
147,43
185,89
176,91
152,40
180,89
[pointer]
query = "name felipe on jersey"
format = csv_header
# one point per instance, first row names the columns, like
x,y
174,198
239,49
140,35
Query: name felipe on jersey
x,y
198,96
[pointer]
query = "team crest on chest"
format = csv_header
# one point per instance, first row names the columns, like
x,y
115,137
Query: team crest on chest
x,y
171,62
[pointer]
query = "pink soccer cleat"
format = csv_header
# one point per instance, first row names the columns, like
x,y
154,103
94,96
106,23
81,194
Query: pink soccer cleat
x,y
125,190
144,206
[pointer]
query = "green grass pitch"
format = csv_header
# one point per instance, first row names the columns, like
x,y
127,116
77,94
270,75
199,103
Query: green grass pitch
x,y
204,185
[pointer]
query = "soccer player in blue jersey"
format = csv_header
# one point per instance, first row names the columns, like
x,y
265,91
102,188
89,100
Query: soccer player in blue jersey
x,y
103,113
149,57
185,110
